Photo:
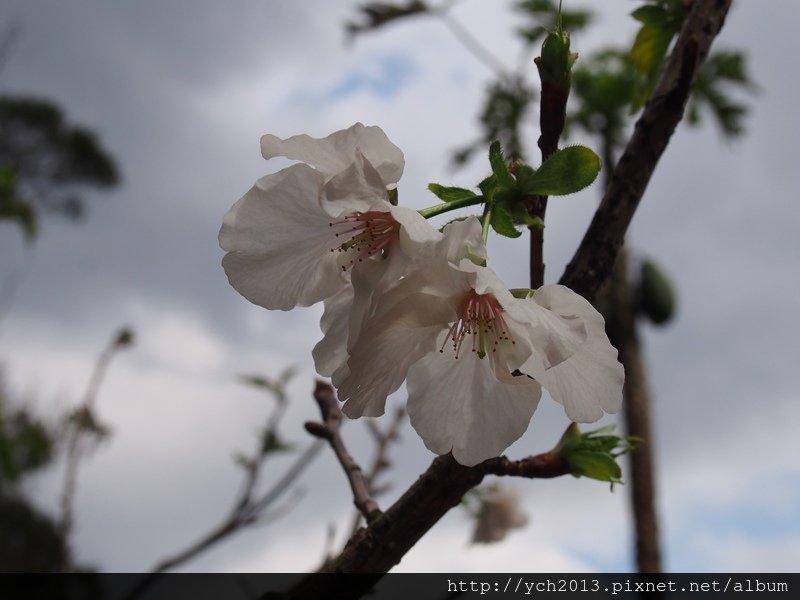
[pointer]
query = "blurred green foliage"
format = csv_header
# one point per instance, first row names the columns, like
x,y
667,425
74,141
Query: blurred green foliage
x,y
44,162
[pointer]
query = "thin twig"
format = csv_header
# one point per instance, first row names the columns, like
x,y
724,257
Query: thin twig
x,y
379,461
248,509
241,516
332,421
77,431
471,43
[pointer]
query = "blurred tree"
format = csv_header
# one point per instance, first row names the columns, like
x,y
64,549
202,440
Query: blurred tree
x,y
31,540
44,161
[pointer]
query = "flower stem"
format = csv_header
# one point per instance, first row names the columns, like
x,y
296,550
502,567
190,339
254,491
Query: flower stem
x,y
486,219
444,207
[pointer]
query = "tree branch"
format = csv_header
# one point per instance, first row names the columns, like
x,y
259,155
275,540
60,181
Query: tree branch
x,y
332,419
381,545
594,259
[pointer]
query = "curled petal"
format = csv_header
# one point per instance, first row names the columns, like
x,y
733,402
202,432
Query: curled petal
x,y
357,187
335,153
589,382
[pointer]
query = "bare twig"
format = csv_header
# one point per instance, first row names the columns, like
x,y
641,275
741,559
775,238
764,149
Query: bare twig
x,y
471,43
242,514
249,508
380,462
82,423
329,430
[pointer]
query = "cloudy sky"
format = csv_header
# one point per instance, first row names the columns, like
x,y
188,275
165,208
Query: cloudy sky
x,y
180,94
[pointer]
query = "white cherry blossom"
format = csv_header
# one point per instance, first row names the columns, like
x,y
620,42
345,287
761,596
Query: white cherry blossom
x,y
293,237
474,355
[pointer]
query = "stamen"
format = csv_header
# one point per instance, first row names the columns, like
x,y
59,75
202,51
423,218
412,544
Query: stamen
x,y
365,234
481,317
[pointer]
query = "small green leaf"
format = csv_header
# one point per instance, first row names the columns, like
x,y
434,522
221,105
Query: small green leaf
x,y
567,171
520,215
651,14
13,207
378,14
271,442
502,223
257,381
555,63
649,48
594,453
450,194
488,187
597,465
500,166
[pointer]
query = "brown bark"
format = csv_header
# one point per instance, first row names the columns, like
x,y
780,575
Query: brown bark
x,y
594,259
622,331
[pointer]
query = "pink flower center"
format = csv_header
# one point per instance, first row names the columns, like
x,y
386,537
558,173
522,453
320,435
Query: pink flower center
x,y
480,318
364,234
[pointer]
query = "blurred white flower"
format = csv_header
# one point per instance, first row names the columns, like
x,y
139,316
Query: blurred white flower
x,y
499,513
293,237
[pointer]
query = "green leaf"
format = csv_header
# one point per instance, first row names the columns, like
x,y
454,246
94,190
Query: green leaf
x,y
378,14
502,223
555,63
651,14
500,166
14,208
488,187
519,214
594,453
597,465
271,442
649,48
450,194
567,171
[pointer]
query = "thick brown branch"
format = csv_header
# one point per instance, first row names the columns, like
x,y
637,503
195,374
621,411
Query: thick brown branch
x,y
594,259
380,546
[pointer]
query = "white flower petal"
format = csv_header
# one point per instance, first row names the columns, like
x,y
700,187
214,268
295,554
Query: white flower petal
x,y
278,242
462,238
359,187
333,154
331,351
459,405
590,381
555,336
415,229
388,344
